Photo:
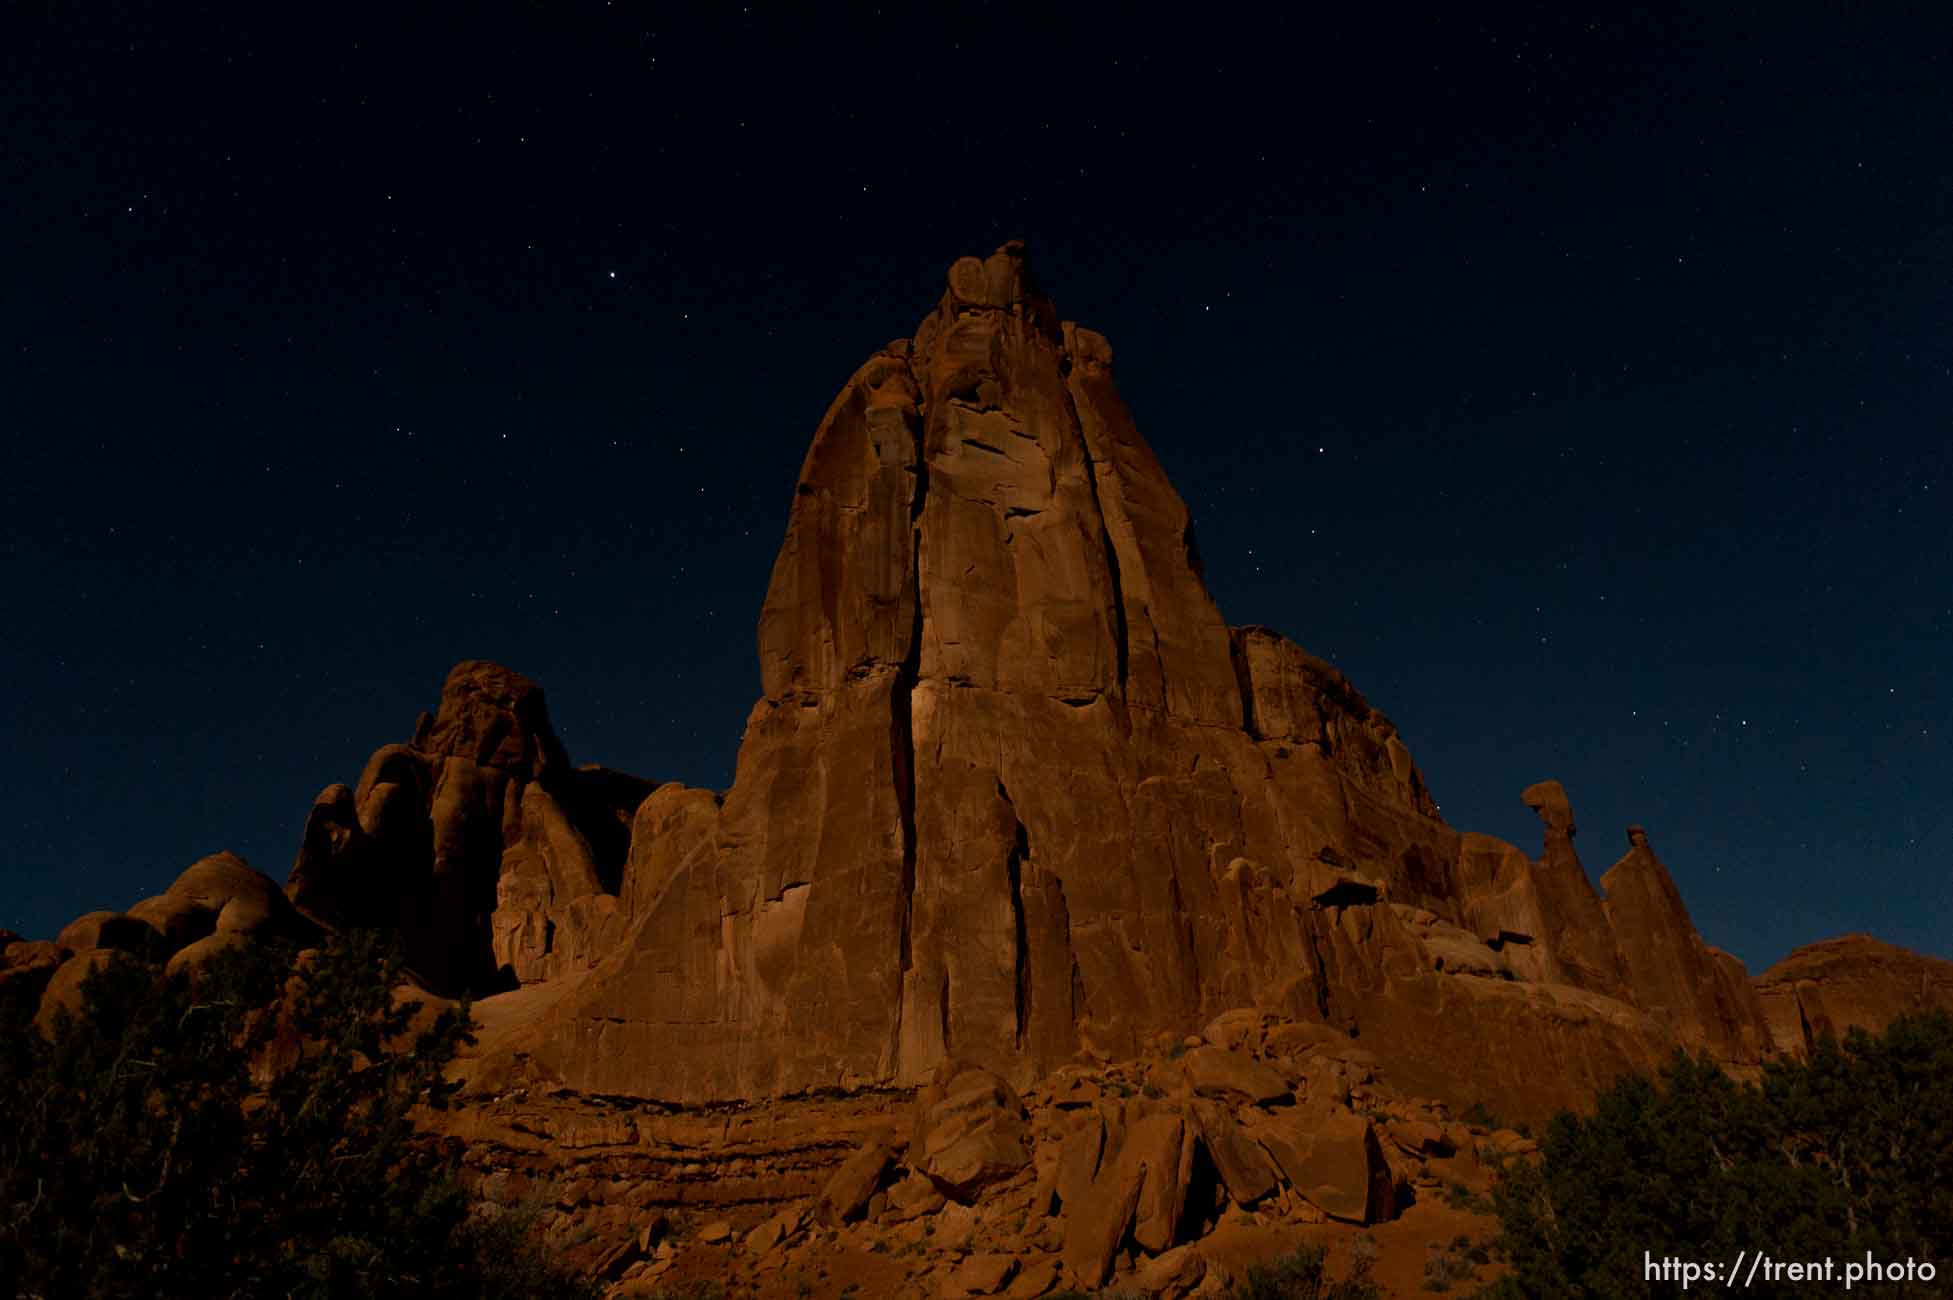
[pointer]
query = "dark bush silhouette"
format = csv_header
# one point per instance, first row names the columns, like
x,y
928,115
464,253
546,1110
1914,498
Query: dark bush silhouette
x,y
140,1158
1848,1153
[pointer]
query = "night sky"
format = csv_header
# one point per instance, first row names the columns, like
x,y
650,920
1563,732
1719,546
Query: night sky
x,y
1584,391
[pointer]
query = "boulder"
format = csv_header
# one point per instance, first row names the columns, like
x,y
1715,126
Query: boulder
x,y
1300,1039
26,966
1235,1031
1244,1167
1419,1137
775,1231
955,1226
1216,1072
178,921
1171,1274
223,879
1096,1225
1037,1276
913,1197
192,957
62,995
1336,1163
108,930
1078,1157
847,1192
980,1274
971,1130
1162,1147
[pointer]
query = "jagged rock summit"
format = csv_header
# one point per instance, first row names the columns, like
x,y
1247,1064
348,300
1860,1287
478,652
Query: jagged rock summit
x,y
1015,792
1013,789
495,860
1014,797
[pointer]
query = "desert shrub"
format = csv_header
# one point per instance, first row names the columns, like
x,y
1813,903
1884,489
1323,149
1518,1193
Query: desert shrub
x,y
1446,1268
140,1157
695,1290
1848,1153
1301,1275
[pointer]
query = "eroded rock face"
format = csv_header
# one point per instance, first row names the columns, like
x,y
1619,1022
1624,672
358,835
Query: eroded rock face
x,y
971,1130
1703,994
1014,795
26,966
494,859
1336,1162
1014,788
107,930
1851,982
1014,791
218,901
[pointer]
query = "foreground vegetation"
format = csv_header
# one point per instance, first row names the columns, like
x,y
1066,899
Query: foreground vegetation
x,y
1847,1155
140,1158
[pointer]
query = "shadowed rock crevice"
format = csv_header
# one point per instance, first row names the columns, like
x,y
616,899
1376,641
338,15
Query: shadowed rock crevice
x,y
902,733
902,743
1244,681
1020,853
1121,633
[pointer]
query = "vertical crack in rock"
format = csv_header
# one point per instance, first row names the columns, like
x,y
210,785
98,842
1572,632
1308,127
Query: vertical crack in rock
x,y
1191,549
943,1008
1237,652
1184,922
1321,971
902,753
1118,598
1020,853
1159,658
902,743
1077,981
1105,538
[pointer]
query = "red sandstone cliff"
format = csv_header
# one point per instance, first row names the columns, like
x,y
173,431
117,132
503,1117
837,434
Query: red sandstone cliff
x,y
1013,791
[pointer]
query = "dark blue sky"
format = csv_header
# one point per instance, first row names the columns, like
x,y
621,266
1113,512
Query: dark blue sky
x,y
1583,390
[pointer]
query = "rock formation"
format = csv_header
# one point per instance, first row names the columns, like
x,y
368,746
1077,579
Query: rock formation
x,y
1155,915
1851,982
1013,788
495,860
1013,792
218,901
1701,994
1137,1173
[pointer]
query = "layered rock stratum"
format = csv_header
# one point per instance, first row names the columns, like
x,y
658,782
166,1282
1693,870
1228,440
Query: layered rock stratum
x,y
1016,816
